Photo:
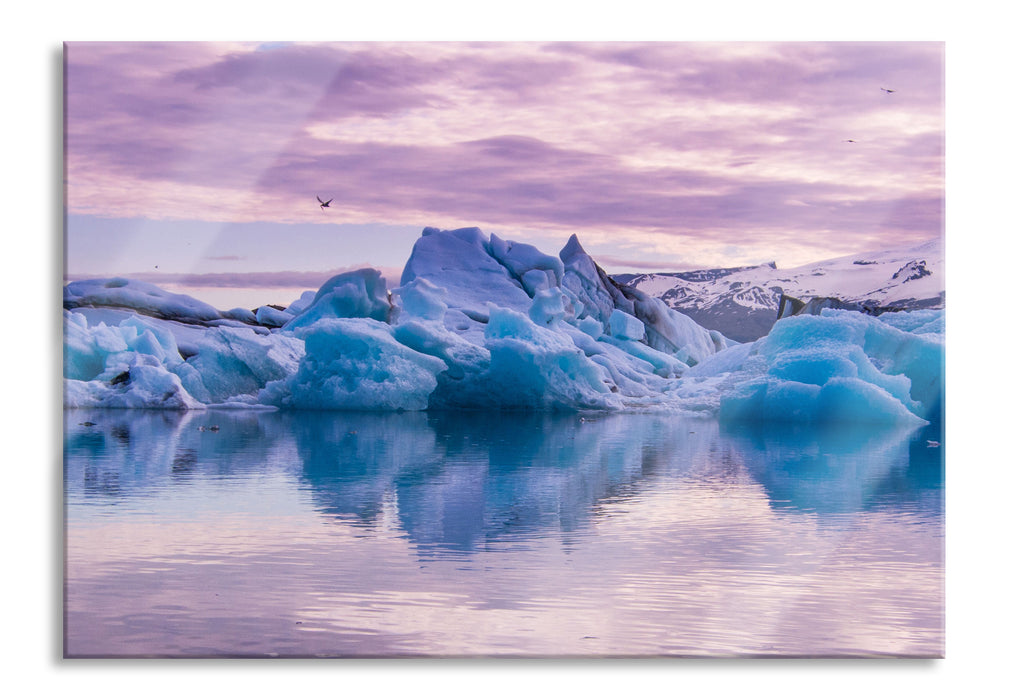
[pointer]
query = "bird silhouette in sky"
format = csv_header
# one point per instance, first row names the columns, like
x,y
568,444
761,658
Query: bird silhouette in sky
x,y
851,141
322,204
887,90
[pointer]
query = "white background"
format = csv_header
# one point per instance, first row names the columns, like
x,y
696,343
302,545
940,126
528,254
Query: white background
x,y
30,169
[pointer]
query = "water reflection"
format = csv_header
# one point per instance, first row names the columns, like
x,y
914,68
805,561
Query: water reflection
x,y
458,481
219,532
842,470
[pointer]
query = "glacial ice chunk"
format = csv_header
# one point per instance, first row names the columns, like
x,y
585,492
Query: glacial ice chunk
x,y
138,381
732,359
357,294
534,367
459,386
922,322
222,362
88,350
625,327
234,361
85,349
841,366
672,332
534,269
421,299
271,317
142,297
548,306
597,296
301,303
355,363
461,263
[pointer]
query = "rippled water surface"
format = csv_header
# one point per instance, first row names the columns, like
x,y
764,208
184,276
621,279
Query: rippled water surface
x,y
350,534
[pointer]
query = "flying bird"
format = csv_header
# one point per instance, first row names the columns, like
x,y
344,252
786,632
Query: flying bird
x,y
887,90
322,204
851,141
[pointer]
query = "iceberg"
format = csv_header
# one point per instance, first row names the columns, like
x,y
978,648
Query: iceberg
x,y
355,363
532,366
137,363
461,263
142,297
231,362
840,366
140,385
479,322
358,294
270,316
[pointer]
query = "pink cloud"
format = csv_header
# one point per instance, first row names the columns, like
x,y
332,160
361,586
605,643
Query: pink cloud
x,y
693,140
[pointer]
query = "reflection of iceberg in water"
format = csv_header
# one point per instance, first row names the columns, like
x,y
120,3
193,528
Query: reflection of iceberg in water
x,y
841,469
144,449
464,481
478,533
120,452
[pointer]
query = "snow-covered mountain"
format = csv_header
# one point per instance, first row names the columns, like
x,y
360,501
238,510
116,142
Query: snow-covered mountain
x,y
743,302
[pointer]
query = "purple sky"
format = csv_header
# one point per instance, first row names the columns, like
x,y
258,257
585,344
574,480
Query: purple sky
x,y
659,156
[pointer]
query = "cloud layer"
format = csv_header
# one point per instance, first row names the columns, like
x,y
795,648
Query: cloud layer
x,y
648,148
294,279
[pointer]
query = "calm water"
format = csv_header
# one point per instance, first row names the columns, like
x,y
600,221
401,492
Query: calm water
x,y
470,534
